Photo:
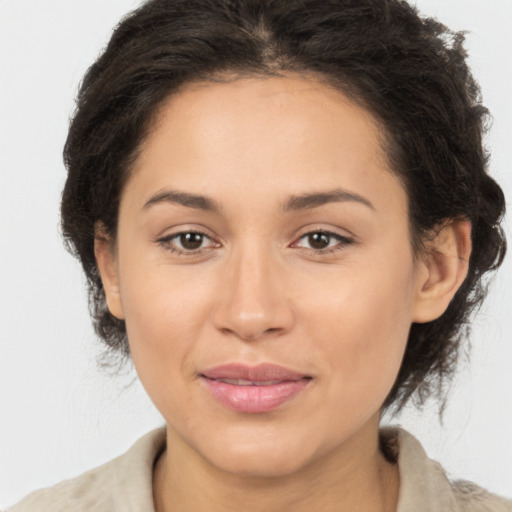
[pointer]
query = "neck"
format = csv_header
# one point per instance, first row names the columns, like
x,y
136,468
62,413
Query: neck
x,y
355,477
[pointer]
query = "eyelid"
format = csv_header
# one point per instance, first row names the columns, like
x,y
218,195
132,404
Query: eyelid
x,y
165,241
343,240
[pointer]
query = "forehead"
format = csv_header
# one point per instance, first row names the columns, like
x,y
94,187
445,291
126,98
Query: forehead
x,y
300,104
251,135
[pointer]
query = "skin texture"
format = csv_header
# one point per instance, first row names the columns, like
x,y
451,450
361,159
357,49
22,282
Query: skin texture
x,y
258,291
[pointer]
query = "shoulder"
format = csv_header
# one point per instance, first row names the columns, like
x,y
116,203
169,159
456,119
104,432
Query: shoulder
x,y
472,498
424,485
124,483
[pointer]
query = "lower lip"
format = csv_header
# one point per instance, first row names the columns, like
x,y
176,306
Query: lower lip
x,y
254,399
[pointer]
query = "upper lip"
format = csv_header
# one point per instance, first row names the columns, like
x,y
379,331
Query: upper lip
x,y
260,373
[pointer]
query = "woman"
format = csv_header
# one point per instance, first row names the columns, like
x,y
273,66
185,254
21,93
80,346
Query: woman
x,y
283,212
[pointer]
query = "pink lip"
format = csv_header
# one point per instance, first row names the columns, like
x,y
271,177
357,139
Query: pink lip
x,y
254,398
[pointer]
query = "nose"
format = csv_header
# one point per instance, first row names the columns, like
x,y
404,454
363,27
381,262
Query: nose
x,y
253,300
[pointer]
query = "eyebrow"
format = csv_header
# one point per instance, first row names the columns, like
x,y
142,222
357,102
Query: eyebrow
x,y
294,203
307,201
185,199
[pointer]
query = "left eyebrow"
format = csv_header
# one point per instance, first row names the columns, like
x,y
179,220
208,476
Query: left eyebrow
x,y
184,199
314,200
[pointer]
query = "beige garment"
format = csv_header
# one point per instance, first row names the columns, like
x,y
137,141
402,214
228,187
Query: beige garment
x,y
125,483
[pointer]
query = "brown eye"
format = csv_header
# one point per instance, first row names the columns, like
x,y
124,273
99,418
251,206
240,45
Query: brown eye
x,y
191,241
319,240
323,241
187,242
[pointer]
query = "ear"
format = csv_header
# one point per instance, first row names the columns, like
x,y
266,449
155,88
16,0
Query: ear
x,y
442,269
106,259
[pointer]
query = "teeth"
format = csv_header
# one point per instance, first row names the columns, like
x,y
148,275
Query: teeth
x,y
242,382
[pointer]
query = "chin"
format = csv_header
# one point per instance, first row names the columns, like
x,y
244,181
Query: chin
x,y
261,457
260,465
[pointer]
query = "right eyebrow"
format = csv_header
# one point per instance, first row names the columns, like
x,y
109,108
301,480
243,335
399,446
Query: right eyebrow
x,y
185,199
316,199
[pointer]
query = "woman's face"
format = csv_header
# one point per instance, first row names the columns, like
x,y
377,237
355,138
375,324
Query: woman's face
x,y
264,269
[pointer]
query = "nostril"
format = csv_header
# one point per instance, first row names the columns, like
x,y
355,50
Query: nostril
x,y
273,330
245,335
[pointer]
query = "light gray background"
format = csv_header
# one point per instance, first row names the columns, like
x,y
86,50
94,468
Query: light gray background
x,y
58,414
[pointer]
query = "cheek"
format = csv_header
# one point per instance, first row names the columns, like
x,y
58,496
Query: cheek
x,y
165,311
360,322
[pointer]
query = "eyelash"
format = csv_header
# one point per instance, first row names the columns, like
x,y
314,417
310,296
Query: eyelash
x,y
343,241
166,242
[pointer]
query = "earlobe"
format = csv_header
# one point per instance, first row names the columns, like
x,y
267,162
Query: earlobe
x,y
104,252
442,270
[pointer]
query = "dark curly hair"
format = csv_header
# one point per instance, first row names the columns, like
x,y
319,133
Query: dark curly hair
x,y
410,72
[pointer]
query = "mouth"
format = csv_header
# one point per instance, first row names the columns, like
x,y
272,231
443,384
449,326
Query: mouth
x,y
256,389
